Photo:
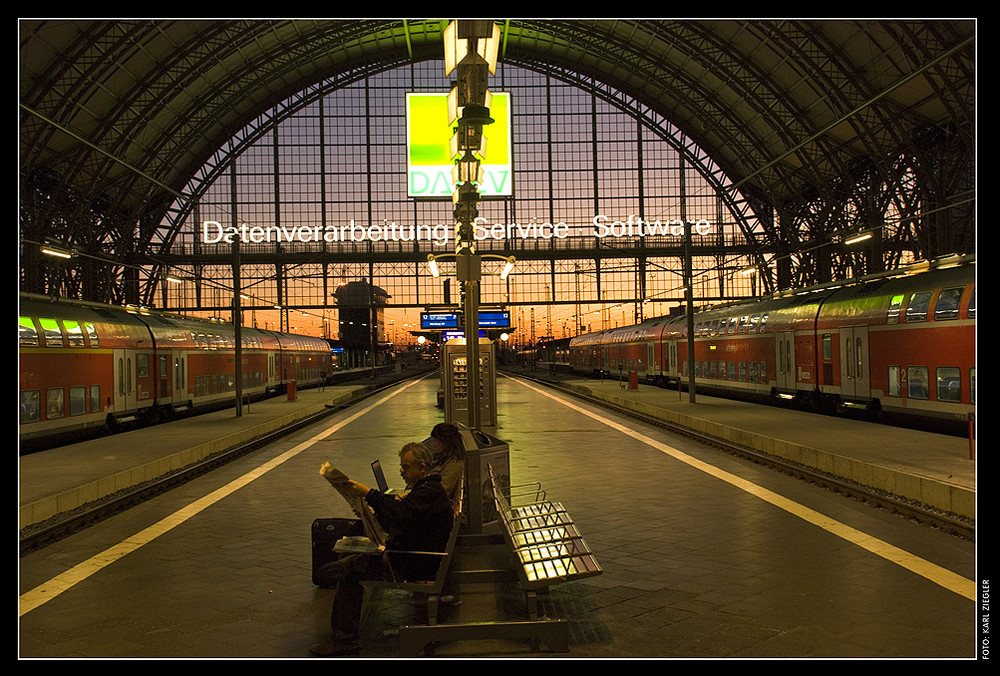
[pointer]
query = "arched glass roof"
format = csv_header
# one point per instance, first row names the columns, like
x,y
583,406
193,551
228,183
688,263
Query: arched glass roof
x,y
816,126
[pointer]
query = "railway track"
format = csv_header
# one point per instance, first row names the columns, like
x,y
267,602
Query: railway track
x,y
38,536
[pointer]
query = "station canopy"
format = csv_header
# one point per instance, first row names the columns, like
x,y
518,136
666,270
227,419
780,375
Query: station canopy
x,y
117,117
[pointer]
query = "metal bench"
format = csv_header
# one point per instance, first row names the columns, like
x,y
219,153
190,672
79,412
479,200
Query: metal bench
x,y
547,546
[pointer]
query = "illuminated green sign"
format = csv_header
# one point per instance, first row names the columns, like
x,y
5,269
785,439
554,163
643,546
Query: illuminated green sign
x,y
428,144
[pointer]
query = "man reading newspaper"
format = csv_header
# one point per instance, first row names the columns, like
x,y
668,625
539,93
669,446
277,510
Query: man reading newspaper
x,y
419,522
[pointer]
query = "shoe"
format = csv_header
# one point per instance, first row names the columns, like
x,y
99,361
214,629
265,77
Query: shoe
x,y
334,647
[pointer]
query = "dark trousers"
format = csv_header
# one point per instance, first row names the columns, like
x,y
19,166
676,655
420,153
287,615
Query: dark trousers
x,y
346,574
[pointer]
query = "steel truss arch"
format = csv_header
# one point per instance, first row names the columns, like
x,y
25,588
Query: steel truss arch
x,y
821,125
696,157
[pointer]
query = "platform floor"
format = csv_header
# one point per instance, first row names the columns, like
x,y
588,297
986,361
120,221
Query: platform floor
x,y
704,555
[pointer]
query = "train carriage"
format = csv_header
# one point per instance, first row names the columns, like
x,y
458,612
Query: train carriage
x,y
901,342
905,345
85,366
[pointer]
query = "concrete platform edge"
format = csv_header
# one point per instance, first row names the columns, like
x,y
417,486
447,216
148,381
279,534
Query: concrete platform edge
x,y
93,491
935,493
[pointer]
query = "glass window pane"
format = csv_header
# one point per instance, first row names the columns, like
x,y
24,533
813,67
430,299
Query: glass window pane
x,y
916,309
892,316
27,334
894,381
77,400
74,333
947,304
949,384
51,332
29,405
54,406
917,386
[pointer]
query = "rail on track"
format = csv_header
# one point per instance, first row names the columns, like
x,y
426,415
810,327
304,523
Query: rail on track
x,y
36,536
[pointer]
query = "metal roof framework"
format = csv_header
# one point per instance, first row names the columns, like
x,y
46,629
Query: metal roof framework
x,y
817,124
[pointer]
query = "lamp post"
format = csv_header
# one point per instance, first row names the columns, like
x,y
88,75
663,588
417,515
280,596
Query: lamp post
x,y
471,48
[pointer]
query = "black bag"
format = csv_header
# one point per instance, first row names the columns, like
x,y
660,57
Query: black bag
x,y
325,533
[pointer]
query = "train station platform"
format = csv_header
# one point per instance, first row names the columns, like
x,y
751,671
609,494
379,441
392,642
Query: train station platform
x,y
695,563
932,469
62,480
937,470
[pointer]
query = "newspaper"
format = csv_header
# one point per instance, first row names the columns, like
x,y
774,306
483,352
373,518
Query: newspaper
x,y
373,529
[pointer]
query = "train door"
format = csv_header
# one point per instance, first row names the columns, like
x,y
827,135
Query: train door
x,y
671,359
854,370
784,347
180,390
124,373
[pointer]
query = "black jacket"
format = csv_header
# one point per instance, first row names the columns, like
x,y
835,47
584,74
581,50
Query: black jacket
x,y
419,522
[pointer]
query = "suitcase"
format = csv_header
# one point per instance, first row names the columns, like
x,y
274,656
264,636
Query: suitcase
x,y
325,533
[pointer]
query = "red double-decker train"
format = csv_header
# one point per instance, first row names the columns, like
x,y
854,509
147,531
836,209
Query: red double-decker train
x,y
899,343
91,367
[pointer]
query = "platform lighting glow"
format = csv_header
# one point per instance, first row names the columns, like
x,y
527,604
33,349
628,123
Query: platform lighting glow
x,y
508,266
56,251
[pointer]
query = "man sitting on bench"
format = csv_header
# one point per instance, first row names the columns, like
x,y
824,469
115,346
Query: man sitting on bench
x,y
420,522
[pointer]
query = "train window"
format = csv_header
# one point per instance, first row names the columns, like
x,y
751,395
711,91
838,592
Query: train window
x,y
763,322
74,333
95,398
917,385
916,309
742,372
753,371
947,304
972,385
744,324
142,365
27,333
29,405
949,384
827,347
77,400
762,370
179,373
51,332
894,390
92,334
732,326
972,305
754,321
892,315
54,404
164,375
